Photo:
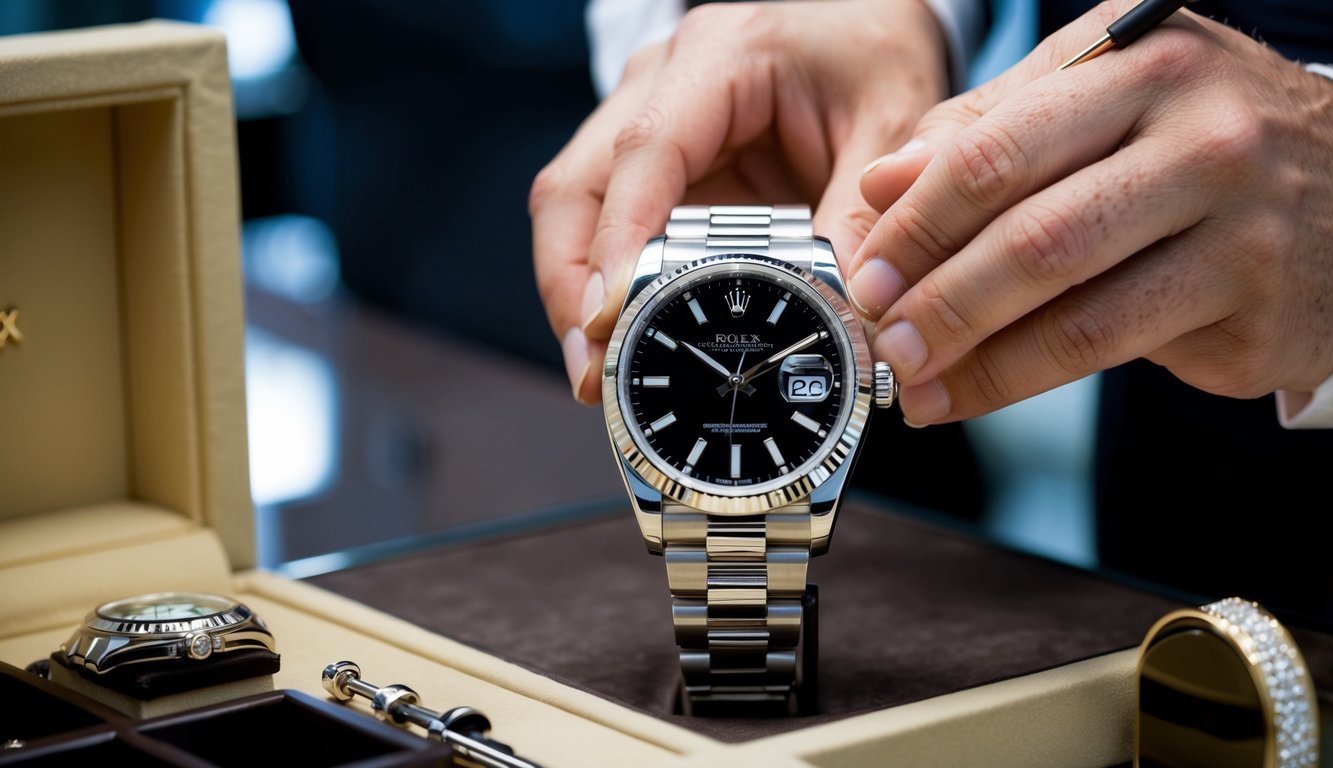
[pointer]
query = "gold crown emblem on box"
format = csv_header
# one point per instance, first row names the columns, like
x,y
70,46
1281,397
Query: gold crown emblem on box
x,y
9,327
737,301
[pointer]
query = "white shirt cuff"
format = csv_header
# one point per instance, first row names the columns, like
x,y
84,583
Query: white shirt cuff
x,y
619,28
1307,410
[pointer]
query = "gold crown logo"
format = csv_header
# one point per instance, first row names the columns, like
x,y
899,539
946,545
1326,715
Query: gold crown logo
x,y
9,327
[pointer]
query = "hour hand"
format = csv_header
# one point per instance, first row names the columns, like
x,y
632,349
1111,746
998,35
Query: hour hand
x,y
715,365
764,366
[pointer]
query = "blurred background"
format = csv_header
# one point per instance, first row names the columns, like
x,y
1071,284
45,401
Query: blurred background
x,y
404,387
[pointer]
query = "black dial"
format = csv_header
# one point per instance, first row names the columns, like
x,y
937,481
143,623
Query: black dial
x,y
737,378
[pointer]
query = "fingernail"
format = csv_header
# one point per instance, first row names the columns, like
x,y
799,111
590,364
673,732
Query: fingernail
x,y
927,403
594,298
575,348
875,286
914,145
902,347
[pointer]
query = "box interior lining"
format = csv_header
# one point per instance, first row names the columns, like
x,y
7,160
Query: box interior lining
x,y
99,400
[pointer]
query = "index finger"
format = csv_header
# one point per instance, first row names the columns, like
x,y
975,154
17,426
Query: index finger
x,y
564,204
672,142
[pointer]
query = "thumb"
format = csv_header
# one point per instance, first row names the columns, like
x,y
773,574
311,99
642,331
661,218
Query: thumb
x,y
886,178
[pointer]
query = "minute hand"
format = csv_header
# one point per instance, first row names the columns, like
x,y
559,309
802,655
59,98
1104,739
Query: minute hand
x,y
767,363
709,361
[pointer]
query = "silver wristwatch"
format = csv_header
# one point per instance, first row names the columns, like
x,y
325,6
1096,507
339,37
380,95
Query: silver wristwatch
x,y
737,387
164,627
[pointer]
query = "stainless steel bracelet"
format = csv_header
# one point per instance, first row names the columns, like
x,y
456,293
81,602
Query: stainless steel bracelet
x,y
737,586
781,231
737,583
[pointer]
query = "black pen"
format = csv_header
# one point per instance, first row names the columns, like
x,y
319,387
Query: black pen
x,y
1129,28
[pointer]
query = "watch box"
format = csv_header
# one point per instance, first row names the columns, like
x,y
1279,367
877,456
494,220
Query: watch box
x,y
122,400
124,469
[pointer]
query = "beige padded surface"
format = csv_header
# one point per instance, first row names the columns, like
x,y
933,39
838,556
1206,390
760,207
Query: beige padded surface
x,y
82,530
1079,715
1053,719
59,593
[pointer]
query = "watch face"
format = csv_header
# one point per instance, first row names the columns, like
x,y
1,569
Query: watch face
x,y
736,378
172,606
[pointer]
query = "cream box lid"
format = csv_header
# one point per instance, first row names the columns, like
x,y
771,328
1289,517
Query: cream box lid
x,y
122,388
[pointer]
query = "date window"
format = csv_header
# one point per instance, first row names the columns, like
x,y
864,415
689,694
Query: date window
x,y
805,378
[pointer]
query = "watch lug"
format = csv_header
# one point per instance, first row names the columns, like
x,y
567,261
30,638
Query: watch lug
x,y
647,269
646,501
647,504
825,501
825,266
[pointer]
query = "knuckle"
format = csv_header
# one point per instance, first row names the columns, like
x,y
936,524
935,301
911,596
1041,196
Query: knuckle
x,y
1079,339
738,22
963,109
702,19
1048,244
1272,237
942,316
546,186
1171,50
912,228
987,164
1233,140
641,131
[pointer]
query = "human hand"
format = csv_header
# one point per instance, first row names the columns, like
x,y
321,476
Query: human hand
x,y
1172,200
748,102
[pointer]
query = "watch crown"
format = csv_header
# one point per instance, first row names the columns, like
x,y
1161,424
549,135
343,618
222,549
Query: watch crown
x,y
886,387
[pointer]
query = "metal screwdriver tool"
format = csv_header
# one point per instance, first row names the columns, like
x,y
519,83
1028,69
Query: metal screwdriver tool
x,y
462,728
1129,27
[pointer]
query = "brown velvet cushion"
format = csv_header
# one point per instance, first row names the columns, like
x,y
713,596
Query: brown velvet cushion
x,y
908,611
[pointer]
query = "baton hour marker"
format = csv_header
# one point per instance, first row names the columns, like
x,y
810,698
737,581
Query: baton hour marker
x,y
698,312
778,309
662,338
808,423
695,453
660,424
